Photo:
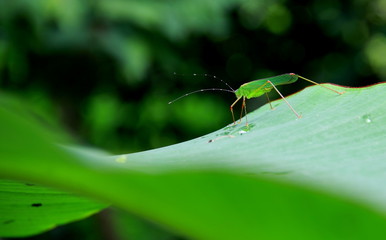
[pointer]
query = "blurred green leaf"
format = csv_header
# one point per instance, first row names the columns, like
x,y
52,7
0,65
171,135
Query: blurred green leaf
x,y
27,209
283,178
67,51
375,52
102,116
136,55
278,19
197,16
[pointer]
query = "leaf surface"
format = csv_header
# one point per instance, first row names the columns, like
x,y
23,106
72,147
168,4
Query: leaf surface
x,y
318,177
27,209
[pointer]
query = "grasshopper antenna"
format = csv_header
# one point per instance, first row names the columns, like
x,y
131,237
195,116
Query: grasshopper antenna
x,y
208,75
201,90
207,89
213,76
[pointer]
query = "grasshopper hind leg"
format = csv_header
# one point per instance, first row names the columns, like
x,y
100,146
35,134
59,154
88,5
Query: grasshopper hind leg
x,y
288,104
269,100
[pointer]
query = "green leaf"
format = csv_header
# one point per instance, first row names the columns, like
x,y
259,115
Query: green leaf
x,y
318,177
27,208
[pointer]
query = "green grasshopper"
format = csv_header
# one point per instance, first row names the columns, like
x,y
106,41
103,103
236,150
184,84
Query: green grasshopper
x,y
258,88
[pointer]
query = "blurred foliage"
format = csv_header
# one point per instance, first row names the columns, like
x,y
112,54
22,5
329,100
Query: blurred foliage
x,y
104,69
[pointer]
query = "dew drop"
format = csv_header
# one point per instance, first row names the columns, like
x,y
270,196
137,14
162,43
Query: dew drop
x,y
242,132
221,137
367,118
121,159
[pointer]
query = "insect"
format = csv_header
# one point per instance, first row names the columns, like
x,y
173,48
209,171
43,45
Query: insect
x,y
258,88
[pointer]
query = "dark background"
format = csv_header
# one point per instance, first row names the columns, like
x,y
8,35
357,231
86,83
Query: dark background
x,y
104,70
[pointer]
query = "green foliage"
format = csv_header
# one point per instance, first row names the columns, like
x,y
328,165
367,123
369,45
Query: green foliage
x,y
117,28
63,55
28,209
103,71
281,177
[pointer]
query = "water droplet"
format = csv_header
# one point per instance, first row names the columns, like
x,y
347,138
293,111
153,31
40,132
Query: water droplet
x,y
367,118
221,137
121,159
242,132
